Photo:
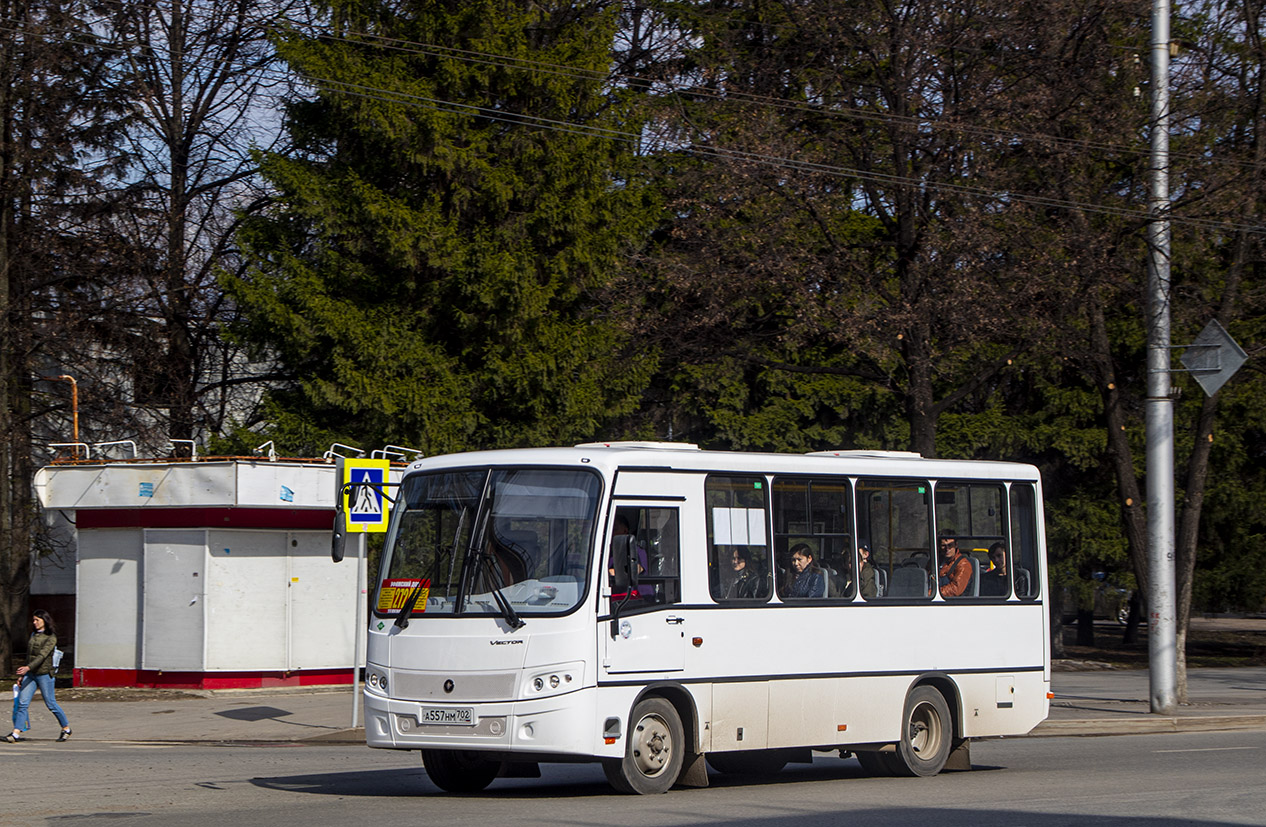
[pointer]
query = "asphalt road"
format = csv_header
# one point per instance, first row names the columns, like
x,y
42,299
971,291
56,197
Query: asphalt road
x,y
1191,779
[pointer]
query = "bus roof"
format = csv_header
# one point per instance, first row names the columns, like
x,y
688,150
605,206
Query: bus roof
x,y
681,456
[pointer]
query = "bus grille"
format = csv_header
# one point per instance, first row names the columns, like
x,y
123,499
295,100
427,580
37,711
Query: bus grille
x,y
429,686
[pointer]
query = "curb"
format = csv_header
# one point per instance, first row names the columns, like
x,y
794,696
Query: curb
x,y
1149,725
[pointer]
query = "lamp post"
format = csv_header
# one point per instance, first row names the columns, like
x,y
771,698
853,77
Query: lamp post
x,y
1162,639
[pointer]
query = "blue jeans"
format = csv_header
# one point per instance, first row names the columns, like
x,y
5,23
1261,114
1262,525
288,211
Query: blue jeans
x,y
22,703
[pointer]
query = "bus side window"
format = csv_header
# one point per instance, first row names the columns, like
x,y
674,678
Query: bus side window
x,y
814,513
974,517
739,567
1024,540
895,517
657,548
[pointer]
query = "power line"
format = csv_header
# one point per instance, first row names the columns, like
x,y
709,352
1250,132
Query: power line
x,y
843,112
539,122
519,119
914,122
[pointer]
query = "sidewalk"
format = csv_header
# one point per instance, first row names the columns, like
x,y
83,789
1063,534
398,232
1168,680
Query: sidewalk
x,y
309,715
1116,702
1108,702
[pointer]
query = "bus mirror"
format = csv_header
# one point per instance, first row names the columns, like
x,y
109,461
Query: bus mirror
x,y
623,564
339,539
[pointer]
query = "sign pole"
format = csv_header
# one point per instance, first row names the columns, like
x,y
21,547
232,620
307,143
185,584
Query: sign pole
x,y
365,506
358,651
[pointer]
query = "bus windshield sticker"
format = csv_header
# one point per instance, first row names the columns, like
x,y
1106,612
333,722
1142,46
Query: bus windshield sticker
x,y
394,593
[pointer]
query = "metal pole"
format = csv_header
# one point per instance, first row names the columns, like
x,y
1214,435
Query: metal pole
x,y
1159,412
357,657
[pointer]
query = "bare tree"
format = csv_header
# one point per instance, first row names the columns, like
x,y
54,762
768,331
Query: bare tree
x,y
205,87
54,113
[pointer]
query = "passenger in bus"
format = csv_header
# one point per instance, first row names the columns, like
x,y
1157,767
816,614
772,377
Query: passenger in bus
x,y
994,583
809,582
839,576
955,572
747,582
867,579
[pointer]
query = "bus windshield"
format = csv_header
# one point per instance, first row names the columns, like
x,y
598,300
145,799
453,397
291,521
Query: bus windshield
x,y
462,536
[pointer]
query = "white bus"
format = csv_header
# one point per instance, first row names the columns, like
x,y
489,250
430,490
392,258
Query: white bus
x,y
660,609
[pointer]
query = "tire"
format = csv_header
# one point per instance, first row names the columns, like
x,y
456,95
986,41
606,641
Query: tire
x,y
927,731
873,764
748,762
654,749
459,771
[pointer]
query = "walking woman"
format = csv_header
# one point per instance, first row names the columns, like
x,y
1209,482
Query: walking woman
x,y
38,673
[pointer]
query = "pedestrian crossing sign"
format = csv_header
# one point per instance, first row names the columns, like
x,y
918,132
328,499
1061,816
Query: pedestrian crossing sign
x,y
361,495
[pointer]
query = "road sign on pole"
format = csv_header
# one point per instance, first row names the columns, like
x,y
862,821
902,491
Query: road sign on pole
x,y
1213,357
361,492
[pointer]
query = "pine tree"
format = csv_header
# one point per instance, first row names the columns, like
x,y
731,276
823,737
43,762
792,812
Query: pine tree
x,y
448,214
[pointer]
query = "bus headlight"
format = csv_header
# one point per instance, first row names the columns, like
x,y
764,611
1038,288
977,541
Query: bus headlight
x,y
377,682
556,680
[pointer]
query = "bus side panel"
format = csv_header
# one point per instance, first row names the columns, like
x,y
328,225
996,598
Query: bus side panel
x,y
1002,703
821,712
740,716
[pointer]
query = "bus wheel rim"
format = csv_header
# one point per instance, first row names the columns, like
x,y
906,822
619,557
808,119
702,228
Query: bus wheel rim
x,y
652,745
924,730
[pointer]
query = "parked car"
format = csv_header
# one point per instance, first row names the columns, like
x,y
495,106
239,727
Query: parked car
x,y
1112,602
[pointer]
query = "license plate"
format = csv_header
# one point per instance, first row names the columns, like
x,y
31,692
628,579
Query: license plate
x,y
448,715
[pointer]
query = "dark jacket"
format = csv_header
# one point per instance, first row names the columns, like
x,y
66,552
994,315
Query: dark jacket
x,y
39,653
809,583
869,587
746,585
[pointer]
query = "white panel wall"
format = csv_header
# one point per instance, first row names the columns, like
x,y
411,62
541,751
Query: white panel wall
x,y
136,486
189,484
107,613
322,604
247,623
173,598
282,484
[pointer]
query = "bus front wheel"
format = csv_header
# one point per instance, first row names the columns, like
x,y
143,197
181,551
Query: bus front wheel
x,y
459,771
653,750
926,732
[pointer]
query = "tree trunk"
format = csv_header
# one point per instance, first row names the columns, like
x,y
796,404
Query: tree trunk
x,y
1119,453
920,399
1086,627
15,553
1057,625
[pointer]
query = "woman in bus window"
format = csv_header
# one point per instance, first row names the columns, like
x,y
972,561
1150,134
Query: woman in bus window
x,y
810,581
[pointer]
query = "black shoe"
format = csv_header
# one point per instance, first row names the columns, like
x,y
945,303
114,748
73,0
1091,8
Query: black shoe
x,y
65,736
14,739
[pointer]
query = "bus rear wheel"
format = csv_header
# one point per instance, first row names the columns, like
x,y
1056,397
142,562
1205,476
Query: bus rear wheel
x,y
926,733
748,762
654,749
459,771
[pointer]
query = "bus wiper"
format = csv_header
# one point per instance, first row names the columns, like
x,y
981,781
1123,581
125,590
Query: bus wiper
x,y
507,611
402,619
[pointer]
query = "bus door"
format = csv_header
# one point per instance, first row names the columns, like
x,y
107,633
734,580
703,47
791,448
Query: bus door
x,y
642,628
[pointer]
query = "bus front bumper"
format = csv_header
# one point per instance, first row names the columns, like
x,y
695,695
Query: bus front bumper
x,y
559,725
